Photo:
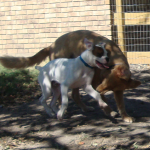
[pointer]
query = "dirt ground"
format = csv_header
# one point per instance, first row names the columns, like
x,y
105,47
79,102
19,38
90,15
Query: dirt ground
x,y
28,127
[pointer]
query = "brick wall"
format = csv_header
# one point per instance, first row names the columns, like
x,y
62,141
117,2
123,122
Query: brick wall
x,y
27,26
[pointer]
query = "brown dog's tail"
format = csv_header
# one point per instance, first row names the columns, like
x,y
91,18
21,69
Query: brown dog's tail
x,y
24,62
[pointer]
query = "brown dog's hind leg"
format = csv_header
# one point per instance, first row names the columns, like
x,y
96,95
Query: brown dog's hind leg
x,y
77,99
121,107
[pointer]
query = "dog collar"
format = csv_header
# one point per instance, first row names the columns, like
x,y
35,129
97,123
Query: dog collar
x,y
86,63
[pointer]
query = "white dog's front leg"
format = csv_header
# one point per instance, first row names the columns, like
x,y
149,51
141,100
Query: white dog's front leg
x,y
89,90
64,94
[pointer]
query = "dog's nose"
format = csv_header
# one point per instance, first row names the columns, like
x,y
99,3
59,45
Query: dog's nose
x,y
107,59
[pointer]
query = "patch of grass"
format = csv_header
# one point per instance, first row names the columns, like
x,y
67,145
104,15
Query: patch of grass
x,y
18,86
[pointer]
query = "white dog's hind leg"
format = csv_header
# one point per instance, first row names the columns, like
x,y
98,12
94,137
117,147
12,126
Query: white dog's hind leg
x,y
46,92
89,90
64,94
56,94
40,98
47,109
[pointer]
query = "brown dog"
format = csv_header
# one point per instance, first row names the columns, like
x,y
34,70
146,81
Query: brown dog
x,y
70,45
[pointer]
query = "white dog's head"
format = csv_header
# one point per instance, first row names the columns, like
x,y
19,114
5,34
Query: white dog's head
x,y
99,54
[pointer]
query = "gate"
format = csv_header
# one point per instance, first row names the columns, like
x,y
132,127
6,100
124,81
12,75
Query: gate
x,y
131,29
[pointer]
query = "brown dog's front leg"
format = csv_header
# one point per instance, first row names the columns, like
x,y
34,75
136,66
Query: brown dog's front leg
x,y
121,107
77,99
112,113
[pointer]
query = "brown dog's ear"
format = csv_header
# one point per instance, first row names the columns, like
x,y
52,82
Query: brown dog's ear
x,y
133,83
122,72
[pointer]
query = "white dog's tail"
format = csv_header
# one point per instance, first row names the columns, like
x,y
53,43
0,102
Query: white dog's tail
x,y
38,68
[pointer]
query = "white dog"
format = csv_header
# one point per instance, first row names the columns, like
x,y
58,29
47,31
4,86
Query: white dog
x,y
71,73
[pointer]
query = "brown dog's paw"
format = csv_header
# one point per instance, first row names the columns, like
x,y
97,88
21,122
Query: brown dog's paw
x,y
128,119
88,109
110,113
107,110
113,114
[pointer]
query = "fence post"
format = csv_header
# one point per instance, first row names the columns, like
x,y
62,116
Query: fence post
x,y
120,26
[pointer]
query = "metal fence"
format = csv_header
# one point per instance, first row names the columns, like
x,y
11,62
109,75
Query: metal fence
x,y
131,29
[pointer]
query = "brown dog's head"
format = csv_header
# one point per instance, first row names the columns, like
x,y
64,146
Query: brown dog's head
x,y
120,85
119,78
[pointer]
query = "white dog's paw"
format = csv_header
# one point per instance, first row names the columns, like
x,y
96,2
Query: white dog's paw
x,y
60,115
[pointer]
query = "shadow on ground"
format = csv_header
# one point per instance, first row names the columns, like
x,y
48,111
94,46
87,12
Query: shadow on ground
x,y
27,126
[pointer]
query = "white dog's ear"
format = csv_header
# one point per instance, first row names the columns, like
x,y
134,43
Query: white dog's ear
x,y
88,44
